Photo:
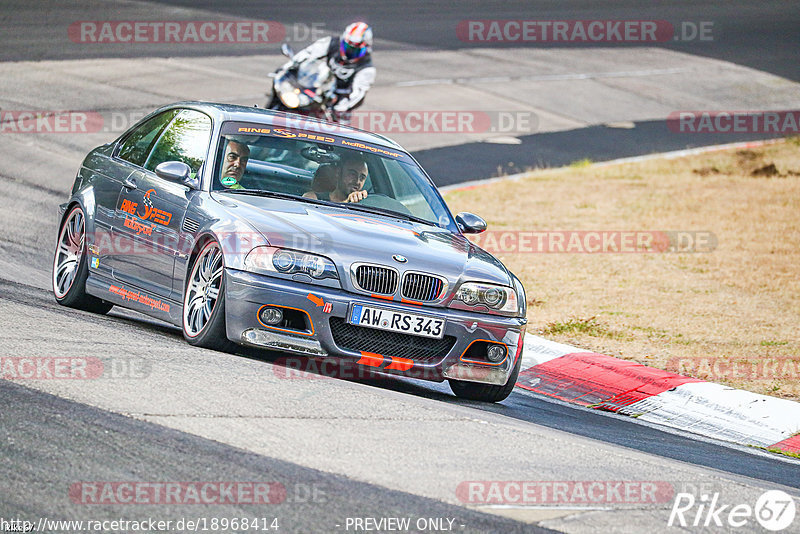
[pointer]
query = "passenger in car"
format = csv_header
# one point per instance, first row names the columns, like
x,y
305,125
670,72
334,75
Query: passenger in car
x,y
324,181
343,182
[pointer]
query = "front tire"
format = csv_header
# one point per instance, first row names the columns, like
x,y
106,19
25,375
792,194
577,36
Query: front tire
x,y
274,102
486,392
204,301
70,268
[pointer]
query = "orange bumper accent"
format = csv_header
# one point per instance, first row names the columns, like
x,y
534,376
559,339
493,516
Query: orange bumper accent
x,y
400,364
370,358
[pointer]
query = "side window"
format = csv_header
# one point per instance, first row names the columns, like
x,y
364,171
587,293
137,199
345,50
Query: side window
x,y
185,139
137,145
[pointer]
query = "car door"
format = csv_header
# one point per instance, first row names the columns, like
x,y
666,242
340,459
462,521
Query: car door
x,y
106,178
128,157
151,209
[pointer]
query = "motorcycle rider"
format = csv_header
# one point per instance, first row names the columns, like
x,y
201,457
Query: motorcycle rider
x,y
350,59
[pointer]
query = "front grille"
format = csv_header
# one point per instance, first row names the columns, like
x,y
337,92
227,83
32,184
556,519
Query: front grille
x,y
375,279
360,338
422,287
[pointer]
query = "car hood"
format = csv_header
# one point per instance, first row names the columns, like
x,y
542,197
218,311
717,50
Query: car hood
x,y
348,236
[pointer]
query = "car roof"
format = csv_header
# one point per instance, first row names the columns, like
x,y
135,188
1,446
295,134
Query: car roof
x,y
232,112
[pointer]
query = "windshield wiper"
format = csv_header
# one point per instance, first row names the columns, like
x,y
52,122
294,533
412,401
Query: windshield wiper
x,y
273,194
384,211
346,205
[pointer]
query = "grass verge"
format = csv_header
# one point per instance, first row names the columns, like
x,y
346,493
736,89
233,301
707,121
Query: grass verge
x,y
728,314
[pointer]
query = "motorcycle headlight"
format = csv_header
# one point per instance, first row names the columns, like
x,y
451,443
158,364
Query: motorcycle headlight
x,y
270,260
290,98
287,92
493,297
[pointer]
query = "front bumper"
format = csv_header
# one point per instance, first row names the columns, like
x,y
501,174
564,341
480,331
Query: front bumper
x,y
247,293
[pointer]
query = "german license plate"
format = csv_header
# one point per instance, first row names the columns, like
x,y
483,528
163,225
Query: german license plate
x,y
395,321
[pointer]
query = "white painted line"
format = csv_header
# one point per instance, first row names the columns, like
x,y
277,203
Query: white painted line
x,y
545,77
504,140
691,151
703,408
539,507
675,431
722,413
187,64
435,81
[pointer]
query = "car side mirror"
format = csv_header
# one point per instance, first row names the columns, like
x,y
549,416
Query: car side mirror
x,y
177,171
286,50
469,223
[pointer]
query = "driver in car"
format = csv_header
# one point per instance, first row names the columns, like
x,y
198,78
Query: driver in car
x,y
234,163
350,180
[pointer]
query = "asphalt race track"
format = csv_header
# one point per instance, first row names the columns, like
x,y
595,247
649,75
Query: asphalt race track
x,y
343,450
758,36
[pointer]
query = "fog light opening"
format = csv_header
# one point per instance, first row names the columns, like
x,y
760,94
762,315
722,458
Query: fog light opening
x,y
496,353
271,316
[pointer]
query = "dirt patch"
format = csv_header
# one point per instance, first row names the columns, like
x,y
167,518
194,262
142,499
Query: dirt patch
x,y
748,155
736,301
705,171
767,170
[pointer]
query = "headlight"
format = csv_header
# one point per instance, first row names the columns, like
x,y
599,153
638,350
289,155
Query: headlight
x,y
290,99
269,260
499,298
287,92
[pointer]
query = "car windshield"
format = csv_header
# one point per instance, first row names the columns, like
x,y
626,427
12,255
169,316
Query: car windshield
x,y
326,167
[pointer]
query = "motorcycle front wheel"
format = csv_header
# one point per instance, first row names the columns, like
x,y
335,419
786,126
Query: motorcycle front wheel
x,y
273,102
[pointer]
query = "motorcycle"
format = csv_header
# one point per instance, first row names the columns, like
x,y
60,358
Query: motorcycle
x,y
305,88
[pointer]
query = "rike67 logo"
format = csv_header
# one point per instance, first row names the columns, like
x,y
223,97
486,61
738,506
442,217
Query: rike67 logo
x,y
774,510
